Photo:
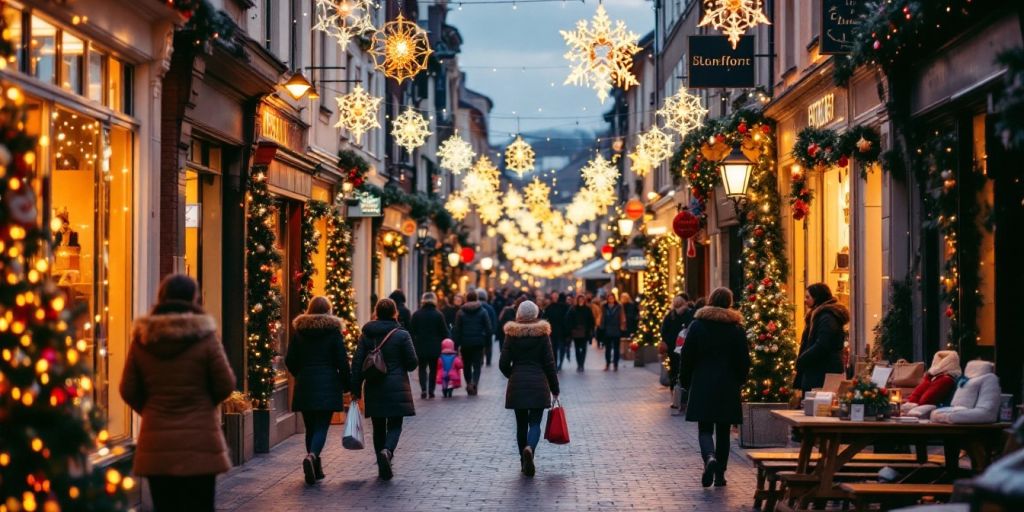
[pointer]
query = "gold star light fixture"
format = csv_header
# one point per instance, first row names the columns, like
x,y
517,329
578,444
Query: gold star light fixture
x,y
733,17
600,176
656,145
357,111
457,205
344,19
640,163
601,55
519,156
536,195
456,154
410,129
683,112
400,49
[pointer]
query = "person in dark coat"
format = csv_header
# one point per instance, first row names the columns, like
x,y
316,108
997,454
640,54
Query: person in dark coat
x,y
555,315
451,308
529,363
632,313
481,296
428,329
318,360
388,399
715,363
821,346
671,326
404,315
508,314
472,332
579,325
613,328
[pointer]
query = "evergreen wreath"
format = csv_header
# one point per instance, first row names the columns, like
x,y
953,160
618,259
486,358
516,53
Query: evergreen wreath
x,y
263,294
354,167
313,212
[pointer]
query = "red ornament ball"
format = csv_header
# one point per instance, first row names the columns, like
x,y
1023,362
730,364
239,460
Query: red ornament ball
x,y
634,346
949,311
762,337
767,281
719,138
607,249
758,232
843,161
685,224
752,298
468,254
742,128
765,129
812,150
766,392
877,45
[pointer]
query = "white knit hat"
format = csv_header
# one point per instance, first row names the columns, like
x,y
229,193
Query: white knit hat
x,y
527,312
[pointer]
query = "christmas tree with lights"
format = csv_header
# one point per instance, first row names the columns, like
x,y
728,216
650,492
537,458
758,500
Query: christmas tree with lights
x,y
49,423
658,291
263,319
340,289
313,212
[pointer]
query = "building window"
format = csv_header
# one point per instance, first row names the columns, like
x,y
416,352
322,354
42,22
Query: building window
x,y
13,19
95,75
72,57
43,51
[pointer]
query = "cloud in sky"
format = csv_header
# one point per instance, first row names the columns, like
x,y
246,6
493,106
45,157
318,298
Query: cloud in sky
x,y
499,41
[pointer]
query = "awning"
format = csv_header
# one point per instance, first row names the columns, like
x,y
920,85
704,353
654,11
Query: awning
x,y
592,270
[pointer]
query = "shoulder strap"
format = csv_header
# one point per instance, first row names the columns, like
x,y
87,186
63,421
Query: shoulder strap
x,y
385,340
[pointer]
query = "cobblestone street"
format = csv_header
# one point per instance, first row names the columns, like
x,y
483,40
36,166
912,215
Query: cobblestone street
x,y
627,453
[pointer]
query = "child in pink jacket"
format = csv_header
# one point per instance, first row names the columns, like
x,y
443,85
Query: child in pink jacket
x,y
449,369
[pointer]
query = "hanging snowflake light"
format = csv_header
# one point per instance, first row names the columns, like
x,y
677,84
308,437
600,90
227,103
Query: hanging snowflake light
x,y
519,156
683,112
490,213
600,176
456,154
640,163
733,17
400,49
536,194
513,200
457,205
655,144
344,19
357,111
410,129
601,56
481,182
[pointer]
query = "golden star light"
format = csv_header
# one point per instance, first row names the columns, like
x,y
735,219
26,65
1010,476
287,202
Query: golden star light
x,y
656,145
456,154
733,17
600,175
519,156
357,111
640,163
482,181
513,200
410,129
601,55
457,205
536,194
400,49
683,112
344,19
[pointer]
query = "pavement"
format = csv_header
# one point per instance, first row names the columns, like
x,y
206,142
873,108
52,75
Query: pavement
x,y
627,452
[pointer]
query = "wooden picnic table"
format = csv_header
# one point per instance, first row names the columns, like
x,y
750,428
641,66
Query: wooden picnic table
x,y
839,440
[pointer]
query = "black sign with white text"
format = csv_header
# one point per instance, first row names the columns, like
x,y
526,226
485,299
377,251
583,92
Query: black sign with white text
x,y
838,18
713,62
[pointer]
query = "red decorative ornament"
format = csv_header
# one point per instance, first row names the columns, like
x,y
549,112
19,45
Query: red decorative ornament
x,y
607,250
762,337
468,254
634,209
765,129
812,150
634,346
691,248
949,311
49,354
767,281
719,138
766,392
843,161
772,327
800,209
759,232
750,287
686,225
59,396
877,45
751,216
273,279
752,298
742,128
783,390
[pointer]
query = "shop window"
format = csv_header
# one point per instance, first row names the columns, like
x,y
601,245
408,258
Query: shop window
x,y
43,51
987,250
95,75
835,203
870,243
13,18
115,86
72,51
203,223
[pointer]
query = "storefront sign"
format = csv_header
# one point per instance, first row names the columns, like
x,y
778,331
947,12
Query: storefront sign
x,y
713,62
280,129
635,261
838,18
365,205
822,111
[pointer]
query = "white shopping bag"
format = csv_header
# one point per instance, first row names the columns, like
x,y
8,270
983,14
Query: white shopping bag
x,y
353,439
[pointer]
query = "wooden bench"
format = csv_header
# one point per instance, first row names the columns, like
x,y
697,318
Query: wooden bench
x,y
864,494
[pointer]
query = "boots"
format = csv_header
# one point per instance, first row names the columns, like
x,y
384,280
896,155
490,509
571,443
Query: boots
x,y
307,469
710,468
528,468
318,467
384,464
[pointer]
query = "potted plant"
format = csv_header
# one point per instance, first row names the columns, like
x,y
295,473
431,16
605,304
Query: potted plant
x,y
238,427
865,401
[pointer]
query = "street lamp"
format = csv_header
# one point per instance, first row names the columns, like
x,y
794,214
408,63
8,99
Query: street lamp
x,y
422,231
625,226
297,85
736,170
616,263
454,259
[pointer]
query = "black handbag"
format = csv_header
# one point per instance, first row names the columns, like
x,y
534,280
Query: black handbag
x,y
374,367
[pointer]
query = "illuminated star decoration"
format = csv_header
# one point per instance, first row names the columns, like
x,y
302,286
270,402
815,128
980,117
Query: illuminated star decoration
x,y
656,145
457,205
536,194
481,182
601,56
344,19
733,17
683,112
456,154
357,111
400,49
600,176
519,156
640,163
410,129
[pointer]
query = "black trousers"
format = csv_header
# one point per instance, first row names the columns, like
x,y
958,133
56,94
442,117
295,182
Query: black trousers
x,y
581,350
386,432
428,374
528,427
611,350
174,493
719,446
317,423
473,360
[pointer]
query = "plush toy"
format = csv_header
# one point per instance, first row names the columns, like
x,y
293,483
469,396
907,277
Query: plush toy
x,y
936,388
977,398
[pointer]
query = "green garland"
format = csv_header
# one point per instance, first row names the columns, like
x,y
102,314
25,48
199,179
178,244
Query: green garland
x,y
206,24
263,295
821,148
314,211
658,291
339,287
354,166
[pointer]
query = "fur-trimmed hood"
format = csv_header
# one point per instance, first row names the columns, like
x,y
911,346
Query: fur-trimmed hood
x,y
835,308
311,323
528,330
720,315
472,307
168,335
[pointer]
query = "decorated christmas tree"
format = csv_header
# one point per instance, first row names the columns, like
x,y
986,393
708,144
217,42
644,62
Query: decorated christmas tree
x,y
658,291
263,320
340,289
49,423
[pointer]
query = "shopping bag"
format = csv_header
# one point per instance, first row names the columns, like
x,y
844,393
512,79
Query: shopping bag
x,y
353,437
557,430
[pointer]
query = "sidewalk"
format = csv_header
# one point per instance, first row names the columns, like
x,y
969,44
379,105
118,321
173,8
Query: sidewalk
x,y
627,453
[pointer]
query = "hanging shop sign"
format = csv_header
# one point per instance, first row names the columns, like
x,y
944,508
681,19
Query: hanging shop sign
x,y
365,205
635,261
838,19
822,111
279,128
714,63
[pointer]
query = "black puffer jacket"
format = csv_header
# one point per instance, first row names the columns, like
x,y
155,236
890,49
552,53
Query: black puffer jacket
x,y
715,363
390,396
529,363
632,312
821,346
404,315
555,315
428,330
473,327
579,322
318,360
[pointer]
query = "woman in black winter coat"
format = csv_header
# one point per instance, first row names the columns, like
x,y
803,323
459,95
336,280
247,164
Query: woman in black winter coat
x,y
579,324
471,334
318,360
632,313
821,346
554,314
389,398
613,329
529,363
715,363
428,329
404,315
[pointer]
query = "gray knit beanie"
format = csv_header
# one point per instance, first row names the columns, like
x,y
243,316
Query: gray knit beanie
x,y
527,312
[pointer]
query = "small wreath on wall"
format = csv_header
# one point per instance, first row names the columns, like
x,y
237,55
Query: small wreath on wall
x,y
393,246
